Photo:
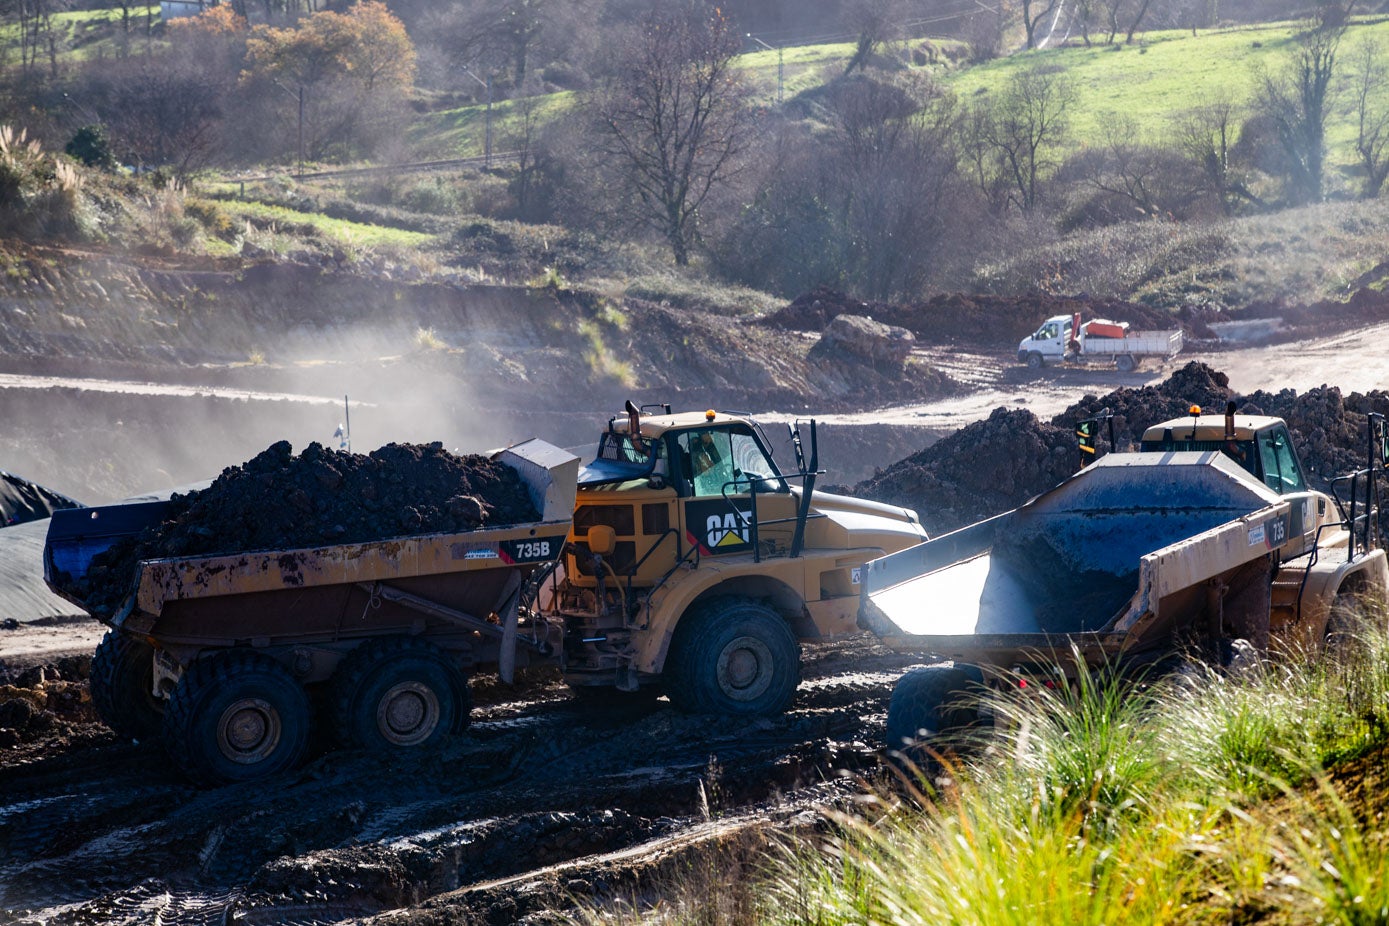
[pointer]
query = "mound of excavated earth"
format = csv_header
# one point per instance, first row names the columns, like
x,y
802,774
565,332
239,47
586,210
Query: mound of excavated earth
x,y
1328,429
22,500
1134,410
281,501
980,470
1001,462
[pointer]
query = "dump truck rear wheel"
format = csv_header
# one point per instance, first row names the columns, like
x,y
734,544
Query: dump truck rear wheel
x,y
122,686
733,656
398,693
925,709
1125,363
236,716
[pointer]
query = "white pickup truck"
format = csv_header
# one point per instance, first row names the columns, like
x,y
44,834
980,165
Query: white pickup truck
x,y
1064,337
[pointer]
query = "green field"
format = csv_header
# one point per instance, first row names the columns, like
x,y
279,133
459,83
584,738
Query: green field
x,y
339,230
1153,81
1164,74
88,34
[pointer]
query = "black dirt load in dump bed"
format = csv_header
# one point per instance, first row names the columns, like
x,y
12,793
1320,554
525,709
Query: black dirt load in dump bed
x,y
321,497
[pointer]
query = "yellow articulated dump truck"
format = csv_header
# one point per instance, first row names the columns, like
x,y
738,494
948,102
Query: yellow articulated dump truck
x,y
680,560
696,563
1206,541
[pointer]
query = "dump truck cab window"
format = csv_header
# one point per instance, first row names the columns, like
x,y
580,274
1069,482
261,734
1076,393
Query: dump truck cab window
x,y
715,460
1047,332
1278,462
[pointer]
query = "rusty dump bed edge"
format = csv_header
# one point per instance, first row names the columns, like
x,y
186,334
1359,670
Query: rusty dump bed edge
x,y
551,477
165,580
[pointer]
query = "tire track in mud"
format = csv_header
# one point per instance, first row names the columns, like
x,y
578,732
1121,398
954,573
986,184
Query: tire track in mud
x,y
103,832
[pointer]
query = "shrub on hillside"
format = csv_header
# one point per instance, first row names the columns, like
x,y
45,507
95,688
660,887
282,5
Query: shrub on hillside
x,y
40,194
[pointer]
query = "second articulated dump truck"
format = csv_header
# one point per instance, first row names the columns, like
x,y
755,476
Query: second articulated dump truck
x,y
682,559
1208,537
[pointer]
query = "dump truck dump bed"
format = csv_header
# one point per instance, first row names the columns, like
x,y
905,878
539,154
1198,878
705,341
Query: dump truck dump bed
x,y
75,539
1112,559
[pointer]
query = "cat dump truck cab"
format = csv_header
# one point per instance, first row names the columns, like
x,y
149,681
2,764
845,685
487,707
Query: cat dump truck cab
x,y
696,562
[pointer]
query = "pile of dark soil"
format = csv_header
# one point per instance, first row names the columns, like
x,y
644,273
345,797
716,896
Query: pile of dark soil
x,y
1001,462
1135,410
44,703
1328,429
281,501
980,470
22,500
973,319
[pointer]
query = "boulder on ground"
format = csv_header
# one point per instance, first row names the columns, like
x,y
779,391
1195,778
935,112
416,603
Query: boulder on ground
x,y
858,338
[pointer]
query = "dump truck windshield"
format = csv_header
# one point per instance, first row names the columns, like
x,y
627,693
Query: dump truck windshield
x,y
1268,457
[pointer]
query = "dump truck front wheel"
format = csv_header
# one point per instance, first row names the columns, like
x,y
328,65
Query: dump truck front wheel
x,y
398,693
927,706
1035,360
236,716
1346,624
122,686
733,656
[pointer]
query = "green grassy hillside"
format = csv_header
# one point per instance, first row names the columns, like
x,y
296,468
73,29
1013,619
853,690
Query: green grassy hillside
x,y
86,34
1166,73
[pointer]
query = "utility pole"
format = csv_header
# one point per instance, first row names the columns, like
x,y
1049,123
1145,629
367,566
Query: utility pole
x,y
487,131
300,95
780,66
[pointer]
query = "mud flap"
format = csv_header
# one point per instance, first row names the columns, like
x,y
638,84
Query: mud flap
x,y
510,615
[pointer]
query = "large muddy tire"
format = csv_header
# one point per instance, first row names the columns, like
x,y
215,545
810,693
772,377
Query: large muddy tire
x,y
1125,363
122,686
236,716
398,693
733,656
928,705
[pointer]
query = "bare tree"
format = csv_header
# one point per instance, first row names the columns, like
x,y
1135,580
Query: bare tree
x,y
875,22
1127,168
37,32
1296,104
1138,11
1206,136
1083,17
875,204
1022,128
1033,13
674,118
166,116
1371,79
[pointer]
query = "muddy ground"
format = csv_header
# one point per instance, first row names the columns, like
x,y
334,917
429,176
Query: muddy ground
x,y
540,801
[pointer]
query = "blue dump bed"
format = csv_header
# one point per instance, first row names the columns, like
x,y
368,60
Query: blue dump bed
x,y
77,535
1097,559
